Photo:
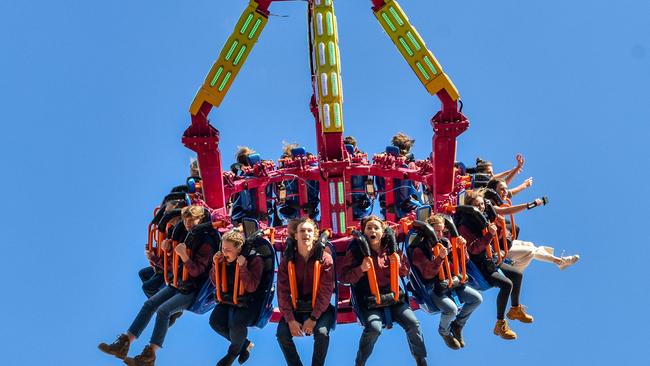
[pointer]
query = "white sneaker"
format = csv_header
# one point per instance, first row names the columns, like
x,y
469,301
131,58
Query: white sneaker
x,y
568,261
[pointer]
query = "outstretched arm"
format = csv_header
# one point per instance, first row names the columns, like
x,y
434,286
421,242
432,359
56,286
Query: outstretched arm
x,y
508,175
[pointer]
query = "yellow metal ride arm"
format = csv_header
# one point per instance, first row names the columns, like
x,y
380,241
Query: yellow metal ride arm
x,y
328,66
232,57
409,43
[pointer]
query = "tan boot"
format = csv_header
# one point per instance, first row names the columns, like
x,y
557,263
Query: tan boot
x,y
119,348
519,313
502,330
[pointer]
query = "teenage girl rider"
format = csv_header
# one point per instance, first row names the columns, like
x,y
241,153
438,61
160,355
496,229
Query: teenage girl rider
x,y
509,283
305,267
170,300
372,265
232,316
522,253
451,320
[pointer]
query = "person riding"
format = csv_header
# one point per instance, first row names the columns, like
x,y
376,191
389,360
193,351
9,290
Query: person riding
x,y
429,265
306,280
361,200
171,298
372,265
508,279
522,253
234,314
407,195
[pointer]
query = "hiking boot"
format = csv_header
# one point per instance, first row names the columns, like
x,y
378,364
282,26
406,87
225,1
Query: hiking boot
x,y
519,313
457,331
449,339
502,330
172,319
568,261
146,358
245,352
119,348
227,360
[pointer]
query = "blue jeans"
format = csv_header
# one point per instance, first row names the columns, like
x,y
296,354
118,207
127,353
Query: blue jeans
x,y
471,299
152,282
405,317
321,338
166,302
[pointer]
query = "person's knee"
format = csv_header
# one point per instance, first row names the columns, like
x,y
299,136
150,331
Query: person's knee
x,y
321,332
149,306
373,328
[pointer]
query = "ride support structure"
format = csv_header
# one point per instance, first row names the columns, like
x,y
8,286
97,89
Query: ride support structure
x,y
334,167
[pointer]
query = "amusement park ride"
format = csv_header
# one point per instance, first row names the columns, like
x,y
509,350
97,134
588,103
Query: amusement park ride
x,y
335,168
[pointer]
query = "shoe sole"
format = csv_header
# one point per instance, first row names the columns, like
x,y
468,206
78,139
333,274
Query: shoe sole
x,y
506,338
112,354
521,320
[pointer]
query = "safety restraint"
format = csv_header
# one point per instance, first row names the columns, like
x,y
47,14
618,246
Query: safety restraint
x,y
290,254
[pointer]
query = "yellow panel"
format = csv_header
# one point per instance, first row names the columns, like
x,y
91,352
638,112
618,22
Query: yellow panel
x,y
326,34
231,59
412,47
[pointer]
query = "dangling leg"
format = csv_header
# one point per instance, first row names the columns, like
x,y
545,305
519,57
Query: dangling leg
x,y
405,317
369,336
322,336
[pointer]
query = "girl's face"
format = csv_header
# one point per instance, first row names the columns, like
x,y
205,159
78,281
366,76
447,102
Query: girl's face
x,y
502,190
439,229
479,203
191,222
230,252
373,231
305,234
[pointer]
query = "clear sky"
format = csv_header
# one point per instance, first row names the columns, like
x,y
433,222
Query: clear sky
x,y
94,97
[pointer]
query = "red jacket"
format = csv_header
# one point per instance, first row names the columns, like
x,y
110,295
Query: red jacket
x,y
475,244
304,282
428,268
351,271
249,274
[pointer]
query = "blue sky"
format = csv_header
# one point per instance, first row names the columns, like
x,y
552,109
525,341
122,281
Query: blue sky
x,y
94,97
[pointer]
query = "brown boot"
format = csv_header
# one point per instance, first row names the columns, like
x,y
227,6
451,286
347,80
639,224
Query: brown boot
x,y
502,330
146,358
519,313
119,348
457,331
449,339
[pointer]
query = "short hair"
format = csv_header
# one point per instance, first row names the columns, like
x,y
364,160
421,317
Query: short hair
x,y
235,237
242,154
194,168
471,196
403,142
292,227
194,211
436,219
367,219
350,140
286,149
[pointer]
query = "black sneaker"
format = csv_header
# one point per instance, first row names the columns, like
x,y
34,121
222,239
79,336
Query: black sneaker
x,y
174,317
245,352
119,348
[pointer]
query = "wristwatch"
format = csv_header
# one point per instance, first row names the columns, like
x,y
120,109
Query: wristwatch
x,y
313,318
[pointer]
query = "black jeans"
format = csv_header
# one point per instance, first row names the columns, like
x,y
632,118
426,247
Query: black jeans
x,y
232,323
509,284
321,338
152,282
404,316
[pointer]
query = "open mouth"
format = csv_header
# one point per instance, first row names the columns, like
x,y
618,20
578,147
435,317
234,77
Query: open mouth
x,y
373,237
